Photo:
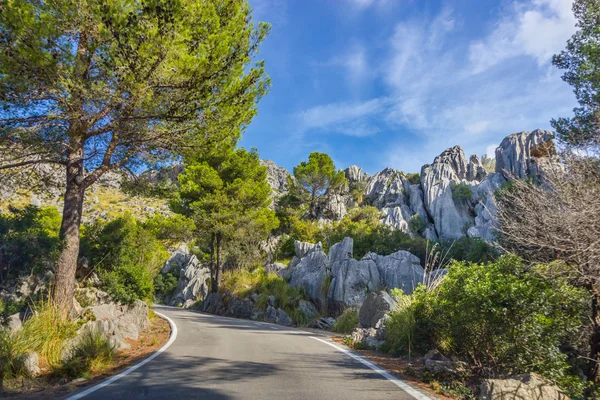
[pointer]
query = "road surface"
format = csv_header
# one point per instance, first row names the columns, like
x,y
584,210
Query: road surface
x,y
215,358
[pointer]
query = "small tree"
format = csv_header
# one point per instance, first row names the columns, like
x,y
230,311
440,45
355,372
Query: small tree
x,y
581,60
226,193
98,86
315,178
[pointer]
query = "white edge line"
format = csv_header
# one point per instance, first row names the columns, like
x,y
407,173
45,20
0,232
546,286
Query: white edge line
x,y
129,370
402,385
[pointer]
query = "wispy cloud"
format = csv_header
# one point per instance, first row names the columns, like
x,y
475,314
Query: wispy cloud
x,y
538,29
355,64
449,92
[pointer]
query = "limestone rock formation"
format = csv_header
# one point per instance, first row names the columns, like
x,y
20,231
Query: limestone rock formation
x,y
310,275
374,308
354,174
516,154
529,386
194,278
351,281
400,270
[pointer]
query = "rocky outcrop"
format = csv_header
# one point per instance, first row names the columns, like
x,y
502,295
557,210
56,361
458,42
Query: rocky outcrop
x,y
194,278
374,308
354,174
351,281
310,275
301,249
517,153
117,322
529,386
400,270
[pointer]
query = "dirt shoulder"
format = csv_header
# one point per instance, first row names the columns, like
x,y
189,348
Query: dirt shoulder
x,y
46,387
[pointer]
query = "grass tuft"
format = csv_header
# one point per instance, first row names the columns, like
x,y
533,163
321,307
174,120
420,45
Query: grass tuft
x,y
346,322
92,354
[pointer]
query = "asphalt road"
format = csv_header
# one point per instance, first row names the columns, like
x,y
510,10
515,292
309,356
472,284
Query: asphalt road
x,y
217,358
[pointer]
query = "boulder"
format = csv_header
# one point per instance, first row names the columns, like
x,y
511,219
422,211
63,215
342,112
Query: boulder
x,y
282,318
366,337
324,323
271,300
213,304
334,207
400,270
31,363
240,308
274,268
529,386
374,308
118,322
14,322
271,314
308,309
310,275
351,281
177,260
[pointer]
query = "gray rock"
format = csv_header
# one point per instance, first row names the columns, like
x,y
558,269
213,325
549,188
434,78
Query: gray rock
x,y
240,308
354,174
351,282
194,280
440,367
308,309
434,355
178,259
514,155
276,176
529,386
14,322
400,270
302,249
274,267
324,323
282,318
374,308
31,363
271,300
213,304
271,314
310,275
333,207
341,251
475,169
396,218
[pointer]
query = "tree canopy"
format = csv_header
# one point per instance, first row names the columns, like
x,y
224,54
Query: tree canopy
x,y
581,62
94,86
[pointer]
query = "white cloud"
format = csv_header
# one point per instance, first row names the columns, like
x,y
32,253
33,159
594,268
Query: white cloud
x,y
355,64
538,29
353,119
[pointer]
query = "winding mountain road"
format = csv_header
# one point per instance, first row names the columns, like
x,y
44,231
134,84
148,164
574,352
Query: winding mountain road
x,y
215,358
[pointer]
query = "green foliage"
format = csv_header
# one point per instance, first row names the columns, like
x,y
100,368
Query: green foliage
x,y
126,256
243,283
461,192
93,353
581,62
470,249
315,178
489,163
165,284
11,358
173,229
346,322
400,333
502,317
30,241
417,225
414,178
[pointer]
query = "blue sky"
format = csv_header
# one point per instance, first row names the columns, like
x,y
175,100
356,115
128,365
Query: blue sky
x,y
392,83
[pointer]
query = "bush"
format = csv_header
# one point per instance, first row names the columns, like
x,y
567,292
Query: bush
x,y
30,241
470,249
165,284
11,358
93,353
417,225
127,257
503,318
461,192
415,178
243,283
173,229
346,322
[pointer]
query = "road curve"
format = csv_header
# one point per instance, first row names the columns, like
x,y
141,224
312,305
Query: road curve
x,y
215,358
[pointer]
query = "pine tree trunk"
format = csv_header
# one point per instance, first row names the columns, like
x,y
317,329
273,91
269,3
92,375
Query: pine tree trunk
x,y
64,281
594,367
219,263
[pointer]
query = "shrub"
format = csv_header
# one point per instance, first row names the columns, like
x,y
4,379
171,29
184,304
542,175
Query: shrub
x,y
417,225
127,257
243,283
165,284
346,322
461,192
503,318
93,353
29,238
11,358
174,228
400,333
470,249
414,178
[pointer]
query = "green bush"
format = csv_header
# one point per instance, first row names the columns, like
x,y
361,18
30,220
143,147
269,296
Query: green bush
x,y
93,353
470,249
165,284
503,318
30,241
11,358
127,257
461,192
417,225
346,322
173,229
415,178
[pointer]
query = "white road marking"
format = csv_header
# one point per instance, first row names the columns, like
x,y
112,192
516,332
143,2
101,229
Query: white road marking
x,y
402,385
134,367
